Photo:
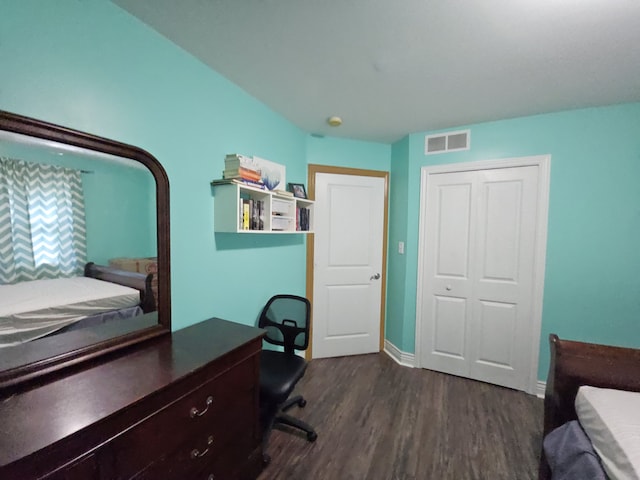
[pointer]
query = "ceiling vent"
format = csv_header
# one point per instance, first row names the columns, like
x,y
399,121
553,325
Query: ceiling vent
x,y
447,142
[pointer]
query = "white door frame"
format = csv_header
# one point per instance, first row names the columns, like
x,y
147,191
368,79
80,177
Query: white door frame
x,y
312,170
543,162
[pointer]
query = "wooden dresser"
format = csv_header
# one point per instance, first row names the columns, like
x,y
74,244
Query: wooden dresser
x,y
184,406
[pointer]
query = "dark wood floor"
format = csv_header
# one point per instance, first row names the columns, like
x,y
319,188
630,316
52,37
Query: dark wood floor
x,y
377,420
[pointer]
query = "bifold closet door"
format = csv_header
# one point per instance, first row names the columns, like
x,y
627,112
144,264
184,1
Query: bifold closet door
x,y
477,273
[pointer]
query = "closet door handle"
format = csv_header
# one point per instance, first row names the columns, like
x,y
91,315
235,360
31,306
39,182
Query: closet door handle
x,y
375,277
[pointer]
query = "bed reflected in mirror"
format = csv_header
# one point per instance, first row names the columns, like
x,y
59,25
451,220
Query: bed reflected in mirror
x,y
81,268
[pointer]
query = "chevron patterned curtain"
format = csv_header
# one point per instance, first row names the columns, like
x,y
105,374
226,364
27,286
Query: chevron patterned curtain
x,y
42,223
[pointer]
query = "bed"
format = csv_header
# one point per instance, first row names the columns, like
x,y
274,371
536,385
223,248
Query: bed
x,y
39,308
610,378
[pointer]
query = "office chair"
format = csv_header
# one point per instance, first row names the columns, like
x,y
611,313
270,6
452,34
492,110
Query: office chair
x,y
286,320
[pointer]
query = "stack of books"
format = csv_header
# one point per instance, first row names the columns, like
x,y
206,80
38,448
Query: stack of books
x,y
302,219
242,169
251,214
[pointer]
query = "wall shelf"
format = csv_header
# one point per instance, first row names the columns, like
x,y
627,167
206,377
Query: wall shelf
x,y
268,212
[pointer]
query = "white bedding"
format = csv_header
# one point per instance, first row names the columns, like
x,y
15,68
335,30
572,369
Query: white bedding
x,y
611,419
30,310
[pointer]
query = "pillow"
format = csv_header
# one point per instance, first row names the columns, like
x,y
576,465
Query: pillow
x,y
611,419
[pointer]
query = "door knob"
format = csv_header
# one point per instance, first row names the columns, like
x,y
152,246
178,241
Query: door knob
x,y
448,287
375,277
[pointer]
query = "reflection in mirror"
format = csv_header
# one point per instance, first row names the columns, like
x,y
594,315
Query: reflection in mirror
x,y
81,269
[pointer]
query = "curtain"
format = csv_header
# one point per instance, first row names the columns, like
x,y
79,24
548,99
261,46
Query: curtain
x,y
42,222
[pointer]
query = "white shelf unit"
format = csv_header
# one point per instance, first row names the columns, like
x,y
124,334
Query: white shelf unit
x,y
280,214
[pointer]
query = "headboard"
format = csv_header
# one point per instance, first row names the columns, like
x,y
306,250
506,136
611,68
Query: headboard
x,y
574,364
139,281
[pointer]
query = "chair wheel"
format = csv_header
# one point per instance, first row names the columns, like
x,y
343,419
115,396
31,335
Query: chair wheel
x,y
302,403
312,436
266,459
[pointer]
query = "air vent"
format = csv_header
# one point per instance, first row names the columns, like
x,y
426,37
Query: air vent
x,y
447,142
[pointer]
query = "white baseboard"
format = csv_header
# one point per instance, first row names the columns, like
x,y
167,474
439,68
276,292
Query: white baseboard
x,y
409,360
403,358
540,388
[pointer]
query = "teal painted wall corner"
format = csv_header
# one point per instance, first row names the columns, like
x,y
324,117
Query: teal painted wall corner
x,y
592,290
397,265
95,68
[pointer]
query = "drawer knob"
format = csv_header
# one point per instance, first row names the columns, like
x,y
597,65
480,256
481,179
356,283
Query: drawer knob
x,y
194,412
195,453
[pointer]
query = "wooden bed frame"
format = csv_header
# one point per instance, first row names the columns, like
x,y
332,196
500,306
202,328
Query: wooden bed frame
x,y
574,364
139,281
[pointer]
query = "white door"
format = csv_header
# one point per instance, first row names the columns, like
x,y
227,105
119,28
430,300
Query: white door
x,y
478,256
348,250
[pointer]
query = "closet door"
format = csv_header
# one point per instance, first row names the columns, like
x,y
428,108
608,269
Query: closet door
x,y
477,273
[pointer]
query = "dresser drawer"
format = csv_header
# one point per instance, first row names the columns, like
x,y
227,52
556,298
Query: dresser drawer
x,y
216,451
232,463
209,410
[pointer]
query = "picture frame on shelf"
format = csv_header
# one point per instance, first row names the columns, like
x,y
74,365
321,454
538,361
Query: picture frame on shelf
x,y
298,190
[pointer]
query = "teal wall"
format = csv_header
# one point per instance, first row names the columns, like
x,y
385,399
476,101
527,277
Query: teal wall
x,y
91,66
344,152
118,200
592,286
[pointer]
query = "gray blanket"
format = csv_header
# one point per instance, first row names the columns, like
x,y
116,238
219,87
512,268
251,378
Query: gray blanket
x,y
570,454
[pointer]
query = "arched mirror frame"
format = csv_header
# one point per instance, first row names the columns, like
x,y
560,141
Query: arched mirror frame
x,y
25,364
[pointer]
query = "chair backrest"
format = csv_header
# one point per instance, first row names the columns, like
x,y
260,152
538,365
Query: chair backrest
x,y
286,320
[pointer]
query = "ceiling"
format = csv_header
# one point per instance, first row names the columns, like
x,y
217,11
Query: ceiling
x,y
390,68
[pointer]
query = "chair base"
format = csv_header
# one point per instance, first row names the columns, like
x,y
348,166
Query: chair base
x,y
297,400
282,418
290,421
286,419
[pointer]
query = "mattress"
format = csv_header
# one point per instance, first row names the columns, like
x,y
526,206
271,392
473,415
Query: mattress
x,y
611,419
30,310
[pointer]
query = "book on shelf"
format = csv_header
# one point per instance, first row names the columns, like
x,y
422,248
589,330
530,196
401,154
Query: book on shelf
x,y
283,193
239,181
237,156
302,219
242,172
260,214
245,215
252,214
241,169
235,161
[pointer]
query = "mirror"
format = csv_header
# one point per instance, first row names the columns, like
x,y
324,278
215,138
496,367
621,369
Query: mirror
x,y
119,241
